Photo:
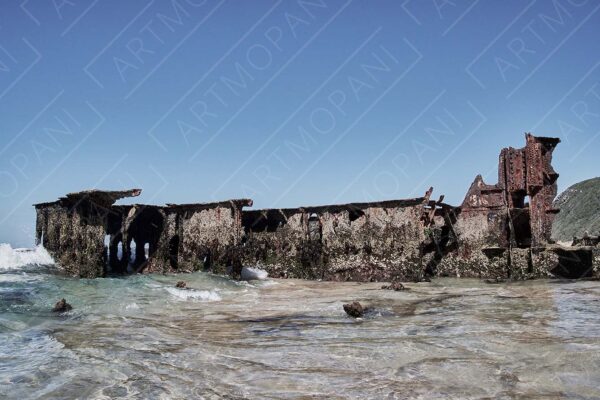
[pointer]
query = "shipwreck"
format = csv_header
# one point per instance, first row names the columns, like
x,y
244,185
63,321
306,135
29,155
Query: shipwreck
x,y
500,231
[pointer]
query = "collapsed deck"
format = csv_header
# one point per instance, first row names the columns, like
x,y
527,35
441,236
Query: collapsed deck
x,y
499,231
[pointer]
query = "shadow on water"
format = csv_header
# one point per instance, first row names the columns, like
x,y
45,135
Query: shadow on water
x,y
377,309
289,323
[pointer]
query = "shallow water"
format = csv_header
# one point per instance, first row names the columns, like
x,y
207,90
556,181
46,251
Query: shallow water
x,y
139,337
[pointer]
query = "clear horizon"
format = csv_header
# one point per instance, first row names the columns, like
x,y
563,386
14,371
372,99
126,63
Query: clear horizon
x,y
288,103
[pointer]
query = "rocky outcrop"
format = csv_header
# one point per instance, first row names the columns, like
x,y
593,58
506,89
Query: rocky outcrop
x,y
499,232
579,211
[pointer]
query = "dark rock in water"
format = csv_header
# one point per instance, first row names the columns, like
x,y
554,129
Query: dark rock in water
x,y
395,285
181,285
354,309
421,278
62,306
494,281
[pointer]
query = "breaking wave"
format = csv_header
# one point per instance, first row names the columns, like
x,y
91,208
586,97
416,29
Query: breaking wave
x,y
186,294
17,258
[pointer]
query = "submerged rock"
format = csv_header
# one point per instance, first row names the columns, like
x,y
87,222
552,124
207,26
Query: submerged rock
x,y
395,285
181,285
354,309
62,306
496,280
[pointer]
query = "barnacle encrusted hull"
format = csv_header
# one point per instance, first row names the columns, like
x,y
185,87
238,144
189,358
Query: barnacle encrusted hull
x,y
499,231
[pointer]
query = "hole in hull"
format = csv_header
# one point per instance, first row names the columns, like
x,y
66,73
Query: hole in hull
x,y
132,252
120,251
173,251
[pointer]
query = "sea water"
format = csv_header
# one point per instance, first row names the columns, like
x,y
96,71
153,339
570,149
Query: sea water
x,y
140,337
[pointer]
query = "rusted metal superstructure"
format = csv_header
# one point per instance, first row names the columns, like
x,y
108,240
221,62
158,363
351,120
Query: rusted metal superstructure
x,y
499,231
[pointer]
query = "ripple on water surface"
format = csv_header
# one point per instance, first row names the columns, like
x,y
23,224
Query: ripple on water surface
x,y
140,337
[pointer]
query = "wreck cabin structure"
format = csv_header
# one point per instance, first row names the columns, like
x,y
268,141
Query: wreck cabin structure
x,y
89,236
506,227
499,231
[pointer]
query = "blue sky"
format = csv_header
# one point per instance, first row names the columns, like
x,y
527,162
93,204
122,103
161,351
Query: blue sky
x,y
287,102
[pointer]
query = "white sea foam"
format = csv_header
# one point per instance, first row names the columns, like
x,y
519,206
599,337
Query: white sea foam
x,y
187,294
132,306
252,273
18,276
16,258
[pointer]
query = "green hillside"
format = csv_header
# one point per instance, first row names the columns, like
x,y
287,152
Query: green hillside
x,y
579,211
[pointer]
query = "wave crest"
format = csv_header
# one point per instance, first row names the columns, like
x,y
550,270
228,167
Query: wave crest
x,y
17,258
202,295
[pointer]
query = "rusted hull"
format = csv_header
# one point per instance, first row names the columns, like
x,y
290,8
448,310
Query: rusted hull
x,y
500,231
